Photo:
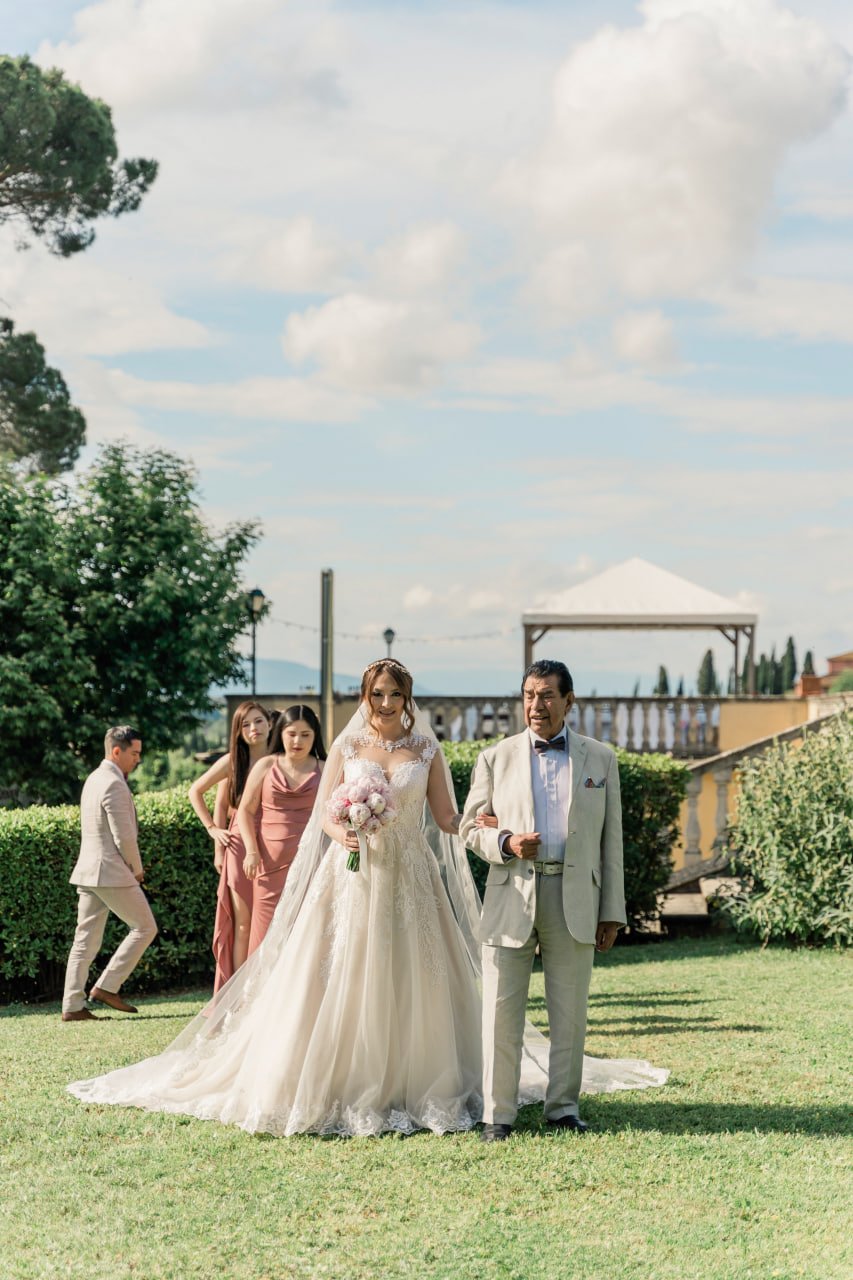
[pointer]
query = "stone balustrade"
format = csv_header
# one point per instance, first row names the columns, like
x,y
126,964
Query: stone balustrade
x,y
684,727
711,791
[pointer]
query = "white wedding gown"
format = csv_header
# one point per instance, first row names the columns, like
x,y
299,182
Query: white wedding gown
x,y
363,1017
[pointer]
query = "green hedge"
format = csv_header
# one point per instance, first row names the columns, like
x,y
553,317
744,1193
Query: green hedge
x,y
39,845
653,787
38,907
793,841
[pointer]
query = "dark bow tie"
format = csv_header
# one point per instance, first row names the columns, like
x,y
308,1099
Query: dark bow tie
x,y
556,744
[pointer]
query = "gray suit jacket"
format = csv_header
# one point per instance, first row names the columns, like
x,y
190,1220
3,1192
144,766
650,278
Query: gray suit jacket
x,y
109,849
593,881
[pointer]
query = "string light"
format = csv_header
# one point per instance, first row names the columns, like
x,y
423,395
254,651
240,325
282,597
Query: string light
x,y
400,639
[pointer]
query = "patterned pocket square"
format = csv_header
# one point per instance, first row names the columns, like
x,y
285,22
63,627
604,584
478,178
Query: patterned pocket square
x,y
589,782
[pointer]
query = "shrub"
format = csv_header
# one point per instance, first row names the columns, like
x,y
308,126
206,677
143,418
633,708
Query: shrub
x,y
653,787
38,848
793,841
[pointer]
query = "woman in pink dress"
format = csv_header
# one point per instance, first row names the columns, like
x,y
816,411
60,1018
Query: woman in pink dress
x,y
251,727
276,805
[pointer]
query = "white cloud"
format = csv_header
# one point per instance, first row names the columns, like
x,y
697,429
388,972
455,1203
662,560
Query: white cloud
x,y
813,310
418,597
273,399
369,343
295,255
426,260
80,305
644,338
157,54
664,146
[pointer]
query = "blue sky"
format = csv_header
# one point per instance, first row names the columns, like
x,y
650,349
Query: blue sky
x,y
472,301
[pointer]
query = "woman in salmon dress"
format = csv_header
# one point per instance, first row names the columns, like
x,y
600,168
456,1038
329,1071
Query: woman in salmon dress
x,y
251,727
277,803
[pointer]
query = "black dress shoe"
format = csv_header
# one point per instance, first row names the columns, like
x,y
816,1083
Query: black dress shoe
x,y
568,1122
495,1132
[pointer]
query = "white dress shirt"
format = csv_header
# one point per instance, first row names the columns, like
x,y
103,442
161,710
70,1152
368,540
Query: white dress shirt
x,y
550,773
551,779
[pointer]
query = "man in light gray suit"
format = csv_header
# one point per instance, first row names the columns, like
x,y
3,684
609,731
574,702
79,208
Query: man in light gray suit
x,y
555,879
108,876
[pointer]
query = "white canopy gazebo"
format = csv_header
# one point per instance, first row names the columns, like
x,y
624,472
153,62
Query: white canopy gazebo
x,y
638,596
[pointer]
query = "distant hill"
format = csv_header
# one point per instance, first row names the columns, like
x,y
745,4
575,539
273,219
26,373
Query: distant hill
x,y
275,675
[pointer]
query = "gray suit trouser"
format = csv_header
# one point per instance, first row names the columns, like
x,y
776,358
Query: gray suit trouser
x,y
130,904
567,966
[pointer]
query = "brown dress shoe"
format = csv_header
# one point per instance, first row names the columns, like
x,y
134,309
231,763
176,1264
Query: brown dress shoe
x,y
113,999
79,1015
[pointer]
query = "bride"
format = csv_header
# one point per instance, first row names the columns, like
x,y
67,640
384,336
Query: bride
x,y
360,1011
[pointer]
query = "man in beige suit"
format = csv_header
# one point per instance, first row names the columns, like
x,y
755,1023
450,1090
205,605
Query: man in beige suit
x,y
555,881
108,876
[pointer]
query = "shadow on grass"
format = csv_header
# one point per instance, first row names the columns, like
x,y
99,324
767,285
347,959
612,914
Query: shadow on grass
x,y
660,1116
180,1009
649,1024
649,998
676,950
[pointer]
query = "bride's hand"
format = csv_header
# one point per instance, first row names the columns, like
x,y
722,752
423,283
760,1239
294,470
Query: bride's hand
x,y
350,841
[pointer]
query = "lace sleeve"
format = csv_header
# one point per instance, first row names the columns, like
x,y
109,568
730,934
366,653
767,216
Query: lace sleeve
x,y
427,748
349,748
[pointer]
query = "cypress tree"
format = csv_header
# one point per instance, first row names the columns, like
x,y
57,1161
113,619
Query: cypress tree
x,y
789,666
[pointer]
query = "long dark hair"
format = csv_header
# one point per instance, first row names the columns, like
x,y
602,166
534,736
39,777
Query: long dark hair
x,y
291,716
238,749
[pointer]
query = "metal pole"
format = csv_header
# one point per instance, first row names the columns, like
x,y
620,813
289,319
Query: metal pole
x,y
327,702
254,638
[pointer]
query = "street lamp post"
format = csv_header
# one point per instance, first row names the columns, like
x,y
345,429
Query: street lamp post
x,y
388,636
255,601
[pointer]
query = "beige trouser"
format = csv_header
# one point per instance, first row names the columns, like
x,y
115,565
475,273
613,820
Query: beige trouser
x,y
567,966
130,904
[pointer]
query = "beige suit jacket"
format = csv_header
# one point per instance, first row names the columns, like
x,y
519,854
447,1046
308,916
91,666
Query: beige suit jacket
x,y
593,882
109,848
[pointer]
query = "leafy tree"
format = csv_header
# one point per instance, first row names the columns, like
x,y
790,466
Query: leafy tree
x,y
808,664
843,683
707,684
45,669
661,689
118,604
59,169
38,422
59,172
789,665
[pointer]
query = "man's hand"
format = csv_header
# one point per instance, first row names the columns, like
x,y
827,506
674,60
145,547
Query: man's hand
x,y
524,845
605,935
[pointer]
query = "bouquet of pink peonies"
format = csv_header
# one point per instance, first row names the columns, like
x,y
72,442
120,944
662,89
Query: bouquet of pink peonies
x,y
366,805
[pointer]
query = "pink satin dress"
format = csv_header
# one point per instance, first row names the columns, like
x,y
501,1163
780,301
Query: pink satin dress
x,y
284,812
232,877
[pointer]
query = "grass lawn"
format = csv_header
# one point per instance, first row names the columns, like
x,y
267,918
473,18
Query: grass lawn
x,y
739,1167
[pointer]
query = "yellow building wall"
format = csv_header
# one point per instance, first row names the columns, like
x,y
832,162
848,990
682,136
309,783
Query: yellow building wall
x,y
745,720
742,721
